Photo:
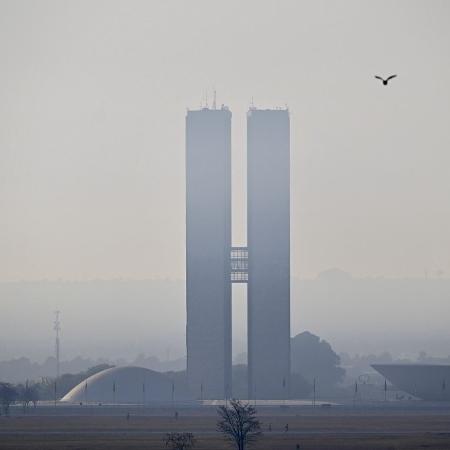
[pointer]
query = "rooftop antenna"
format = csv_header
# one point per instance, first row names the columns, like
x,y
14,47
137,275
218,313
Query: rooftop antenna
x,y
57,328
214,100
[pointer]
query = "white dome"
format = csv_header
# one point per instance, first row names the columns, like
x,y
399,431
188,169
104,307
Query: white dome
x,y
126,384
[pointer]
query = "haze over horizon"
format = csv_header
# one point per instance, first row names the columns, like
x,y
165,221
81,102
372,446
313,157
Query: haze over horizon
x,y
94,96
122,318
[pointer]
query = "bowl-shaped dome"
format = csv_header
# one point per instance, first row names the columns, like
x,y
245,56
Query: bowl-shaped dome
x,y
426,381
127,384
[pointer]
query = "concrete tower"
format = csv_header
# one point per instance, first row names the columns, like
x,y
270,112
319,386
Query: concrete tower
x,y
208,245
268,215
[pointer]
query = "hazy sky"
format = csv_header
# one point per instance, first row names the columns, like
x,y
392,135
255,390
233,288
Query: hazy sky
x,y
93,96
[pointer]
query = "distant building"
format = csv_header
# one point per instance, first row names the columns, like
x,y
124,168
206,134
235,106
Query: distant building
x,y
425,381
212,264
208,244
268,235
129,385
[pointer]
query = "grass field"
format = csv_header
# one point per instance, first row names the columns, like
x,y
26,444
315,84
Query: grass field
x,y
333,429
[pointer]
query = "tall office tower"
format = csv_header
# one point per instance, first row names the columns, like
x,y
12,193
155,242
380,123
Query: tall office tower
x,y
208,245
268,215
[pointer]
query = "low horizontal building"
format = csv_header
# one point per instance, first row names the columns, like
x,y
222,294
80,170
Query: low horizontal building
x,y
425,381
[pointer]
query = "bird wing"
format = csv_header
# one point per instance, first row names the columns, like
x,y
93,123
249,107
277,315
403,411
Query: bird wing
x,y
376,76
392,76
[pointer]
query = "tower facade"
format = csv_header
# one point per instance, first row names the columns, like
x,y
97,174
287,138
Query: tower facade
x,y
268,238
208,244
212,264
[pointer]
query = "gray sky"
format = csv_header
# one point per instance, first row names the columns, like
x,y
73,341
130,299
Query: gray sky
x,y
93,96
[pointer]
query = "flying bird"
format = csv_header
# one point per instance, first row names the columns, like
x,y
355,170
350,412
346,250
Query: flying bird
x,y
385,81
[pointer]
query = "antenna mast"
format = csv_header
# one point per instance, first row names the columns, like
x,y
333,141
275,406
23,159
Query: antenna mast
x,y
57,328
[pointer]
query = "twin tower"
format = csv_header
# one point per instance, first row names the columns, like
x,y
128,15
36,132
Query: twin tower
x,y
213,264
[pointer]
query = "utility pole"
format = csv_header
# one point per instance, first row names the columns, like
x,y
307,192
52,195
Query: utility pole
x,y
143,394
173,395
57,328
55,393
314,392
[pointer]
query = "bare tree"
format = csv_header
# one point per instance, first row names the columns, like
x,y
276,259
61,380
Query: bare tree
x,y
239,424
179,441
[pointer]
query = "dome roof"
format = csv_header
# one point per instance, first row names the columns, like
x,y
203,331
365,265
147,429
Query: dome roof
x,y
125,384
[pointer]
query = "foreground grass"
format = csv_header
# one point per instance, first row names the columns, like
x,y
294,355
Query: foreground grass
x,y
333,430
74,442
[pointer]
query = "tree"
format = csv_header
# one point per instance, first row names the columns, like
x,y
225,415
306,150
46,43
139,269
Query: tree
x,y
179,441
314,358
8,395
239,424
300,388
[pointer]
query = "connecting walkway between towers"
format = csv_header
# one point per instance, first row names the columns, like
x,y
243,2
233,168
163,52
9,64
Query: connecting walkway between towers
x,y
239,264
